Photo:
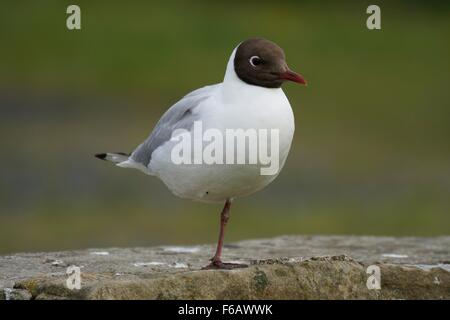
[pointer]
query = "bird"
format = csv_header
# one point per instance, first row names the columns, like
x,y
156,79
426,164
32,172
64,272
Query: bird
x,y
250,97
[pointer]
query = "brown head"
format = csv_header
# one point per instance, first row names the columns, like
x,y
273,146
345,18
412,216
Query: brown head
x,y
262,63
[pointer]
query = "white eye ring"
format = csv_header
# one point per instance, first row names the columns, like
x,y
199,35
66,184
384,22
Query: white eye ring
x,y
255,61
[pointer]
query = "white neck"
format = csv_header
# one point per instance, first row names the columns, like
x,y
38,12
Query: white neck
x,y
230,74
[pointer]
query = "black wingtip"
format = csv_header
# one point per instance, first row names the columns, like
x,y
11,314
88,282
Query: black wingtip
x,y
101,156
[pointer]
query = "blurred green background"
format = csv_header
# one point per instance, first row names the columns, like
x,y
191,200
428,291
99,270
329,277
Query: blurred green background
x,y
371,150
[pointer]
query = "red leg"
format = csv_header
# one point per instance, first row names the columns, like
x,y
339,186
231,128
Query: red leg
x,y
224,217
216,261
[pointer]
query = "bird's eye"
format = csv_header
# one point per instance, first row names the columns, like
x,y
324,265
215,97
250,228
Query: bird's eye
x,y
255,61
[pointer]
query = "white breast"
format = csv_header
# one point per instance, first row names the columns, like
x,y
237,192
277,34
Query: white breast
x,y
218,182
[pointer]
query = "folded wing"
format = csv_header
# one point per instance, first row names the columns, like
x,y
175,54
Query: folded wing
x,y
180,116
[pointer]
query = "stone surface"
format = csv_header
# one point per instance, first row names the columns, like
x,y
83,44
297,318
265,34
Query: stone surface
x,y
288,267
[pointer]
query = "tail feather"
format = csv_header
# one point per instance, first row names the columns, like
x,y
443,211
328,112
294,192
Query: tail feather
x,y
115,157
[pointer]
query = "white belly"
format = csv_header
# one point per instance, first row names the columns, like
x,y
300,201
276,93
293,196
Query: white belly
x,y
218,182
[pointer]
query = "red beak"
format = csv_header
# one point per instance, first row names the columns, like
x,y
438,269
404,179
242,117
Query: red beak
x,y
292,76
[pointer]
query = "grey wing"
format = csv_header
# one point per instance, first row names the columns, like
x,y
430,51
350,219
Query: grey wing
x,y
179,116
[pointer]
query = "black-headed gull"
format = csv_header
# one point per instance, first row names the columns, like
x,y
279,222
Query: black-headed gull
x,y
249,98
